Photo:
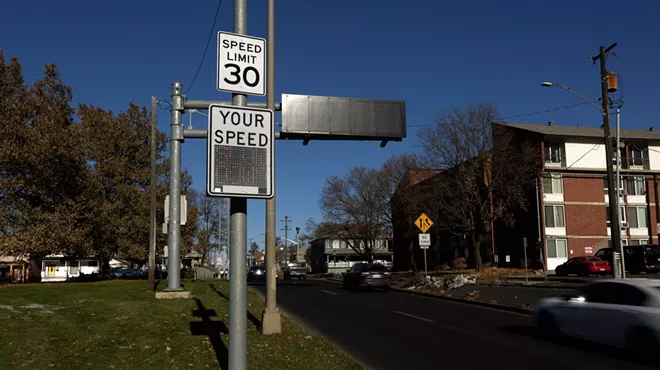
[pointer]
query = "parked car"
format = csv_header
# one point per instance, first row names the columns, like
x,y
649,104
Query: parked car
x,y
295,270
638,258
583,266
622,313
256,273
367,275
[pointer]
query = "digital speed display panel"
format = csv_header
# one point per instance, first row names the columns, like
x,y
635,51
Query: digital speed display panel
x,y
239,166
240,152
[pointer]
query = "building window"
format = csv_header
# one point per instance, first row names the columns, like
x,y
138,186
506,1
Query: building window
x,y
73,268
637,216
638,155
616,151
606,186
553,152
554,216
552,184
557,248
623,242
639,242
636,186
92,263
622,215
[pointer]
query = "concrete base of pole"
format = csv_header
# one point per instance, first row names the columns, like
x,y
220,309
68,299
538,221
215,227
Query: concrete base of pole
x,y
173,294
271,321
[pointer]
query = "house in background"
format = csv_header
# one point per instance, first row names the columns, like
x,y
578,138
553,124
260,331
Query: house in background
x,y
57,267
334,256
14,268
571,218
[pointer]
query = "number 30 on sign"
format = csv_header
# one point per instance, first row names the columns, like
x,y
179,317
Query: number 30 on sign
x,y
241,64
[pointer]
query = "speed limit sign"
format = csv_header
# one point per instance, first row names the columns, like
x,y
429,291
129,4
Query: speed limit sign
x,y
241,64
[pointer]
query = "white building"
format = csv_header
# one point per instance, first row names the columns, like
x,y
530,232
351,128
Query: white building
x,y
56,267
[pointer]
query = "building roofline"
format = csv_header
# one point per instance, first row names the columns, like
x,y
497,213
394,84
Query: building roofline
x,y
579,131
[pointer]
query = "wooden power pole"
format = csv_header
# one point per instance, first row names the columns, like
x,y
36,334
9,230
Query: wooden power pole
x,y
154,185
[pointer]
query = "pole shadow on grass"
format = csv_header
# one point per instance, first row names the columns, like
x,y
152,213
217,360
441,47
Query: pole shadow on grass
x,y
212,329
256,322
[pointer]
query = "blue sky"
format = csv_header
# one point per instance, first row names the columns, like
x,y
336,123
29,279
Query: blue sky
x,y
432,54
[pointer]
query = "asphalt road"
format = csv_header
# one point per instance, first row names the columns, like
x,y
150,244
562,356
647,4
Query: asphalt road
x,y
402,331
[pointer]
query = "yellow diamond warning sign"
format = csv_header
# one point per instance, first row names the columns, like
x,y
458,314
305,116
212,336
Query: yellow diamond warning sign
x,y
423,222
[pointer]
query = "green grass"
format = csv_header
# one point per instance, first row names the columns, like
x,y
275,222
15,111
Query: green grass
x,y
120,325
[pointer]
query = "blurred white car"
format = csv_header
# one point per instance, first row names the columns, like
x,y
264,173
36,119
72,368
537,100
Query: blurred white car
x,y
621,313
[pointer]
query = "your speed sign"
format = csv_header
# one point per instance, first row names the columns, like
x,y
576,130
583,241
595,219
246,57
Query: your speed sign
x,y
241,64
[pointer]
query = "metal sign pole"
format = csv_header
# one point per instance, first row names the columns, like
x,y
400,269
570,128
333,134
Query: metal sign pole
x,y
174,231
525,254
238,272
426,272
271,321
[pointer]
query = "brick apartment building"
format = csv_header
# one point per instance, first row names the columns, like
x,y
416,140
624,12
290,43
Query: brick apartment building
x,y
572,214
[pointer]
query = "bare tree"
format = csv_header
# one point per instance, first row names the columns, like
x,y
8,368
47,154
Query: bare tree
x,y
356,210
480,182
252,252
209,209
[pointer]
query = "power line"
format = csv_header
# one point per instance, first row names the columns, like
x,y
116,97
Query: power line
x,y
523,114
201,62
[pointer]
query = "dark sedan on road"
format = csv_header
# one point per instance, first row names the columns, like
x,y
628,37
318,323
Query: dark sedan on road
x,y
367,275
256,273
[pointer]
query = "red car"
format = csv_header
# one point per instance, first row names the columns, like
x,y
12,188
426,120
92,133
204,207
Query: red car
x,y
583,266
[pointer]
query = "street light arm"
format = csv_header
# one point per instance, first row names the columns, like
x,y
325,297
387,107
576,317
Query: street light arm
x,y
568,88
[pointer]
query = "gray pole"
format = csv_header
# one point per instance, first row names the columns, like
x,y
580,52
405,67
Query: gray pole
x,y
540,241
228,256
220,207
525,255
271,321
174,235
238,273
426,273
286,239
618,182
154,185
297,245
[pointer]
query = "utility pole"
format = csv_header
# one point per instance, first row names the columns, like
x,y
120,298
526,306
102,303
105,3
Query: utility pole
x,y
238,240
297,245
286,238
271,320
613,196
154,185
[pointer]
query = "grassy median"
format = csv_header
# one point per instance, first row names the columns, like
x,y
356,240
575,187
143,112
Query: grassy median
x,y
120,325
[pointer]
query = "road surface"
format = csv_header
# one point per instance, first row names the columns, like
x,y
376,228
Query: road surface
x,y
403,331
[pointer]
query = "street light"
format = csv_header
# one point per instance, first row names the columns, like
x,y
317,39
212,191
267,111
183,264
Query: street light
x,y
568,88
618,160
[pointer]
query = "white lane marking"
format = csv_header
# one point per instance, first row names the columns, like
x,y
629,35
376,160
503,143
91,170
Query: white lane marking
x,y
325,291
413,316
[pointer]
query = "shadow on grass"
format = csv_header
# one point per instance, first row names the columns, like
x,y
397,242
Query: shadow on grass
x,y
591,347
212,329
255,321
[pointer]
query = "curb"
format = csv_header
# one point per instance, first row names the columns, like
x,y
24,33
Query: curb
x,y
519,310
533,286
